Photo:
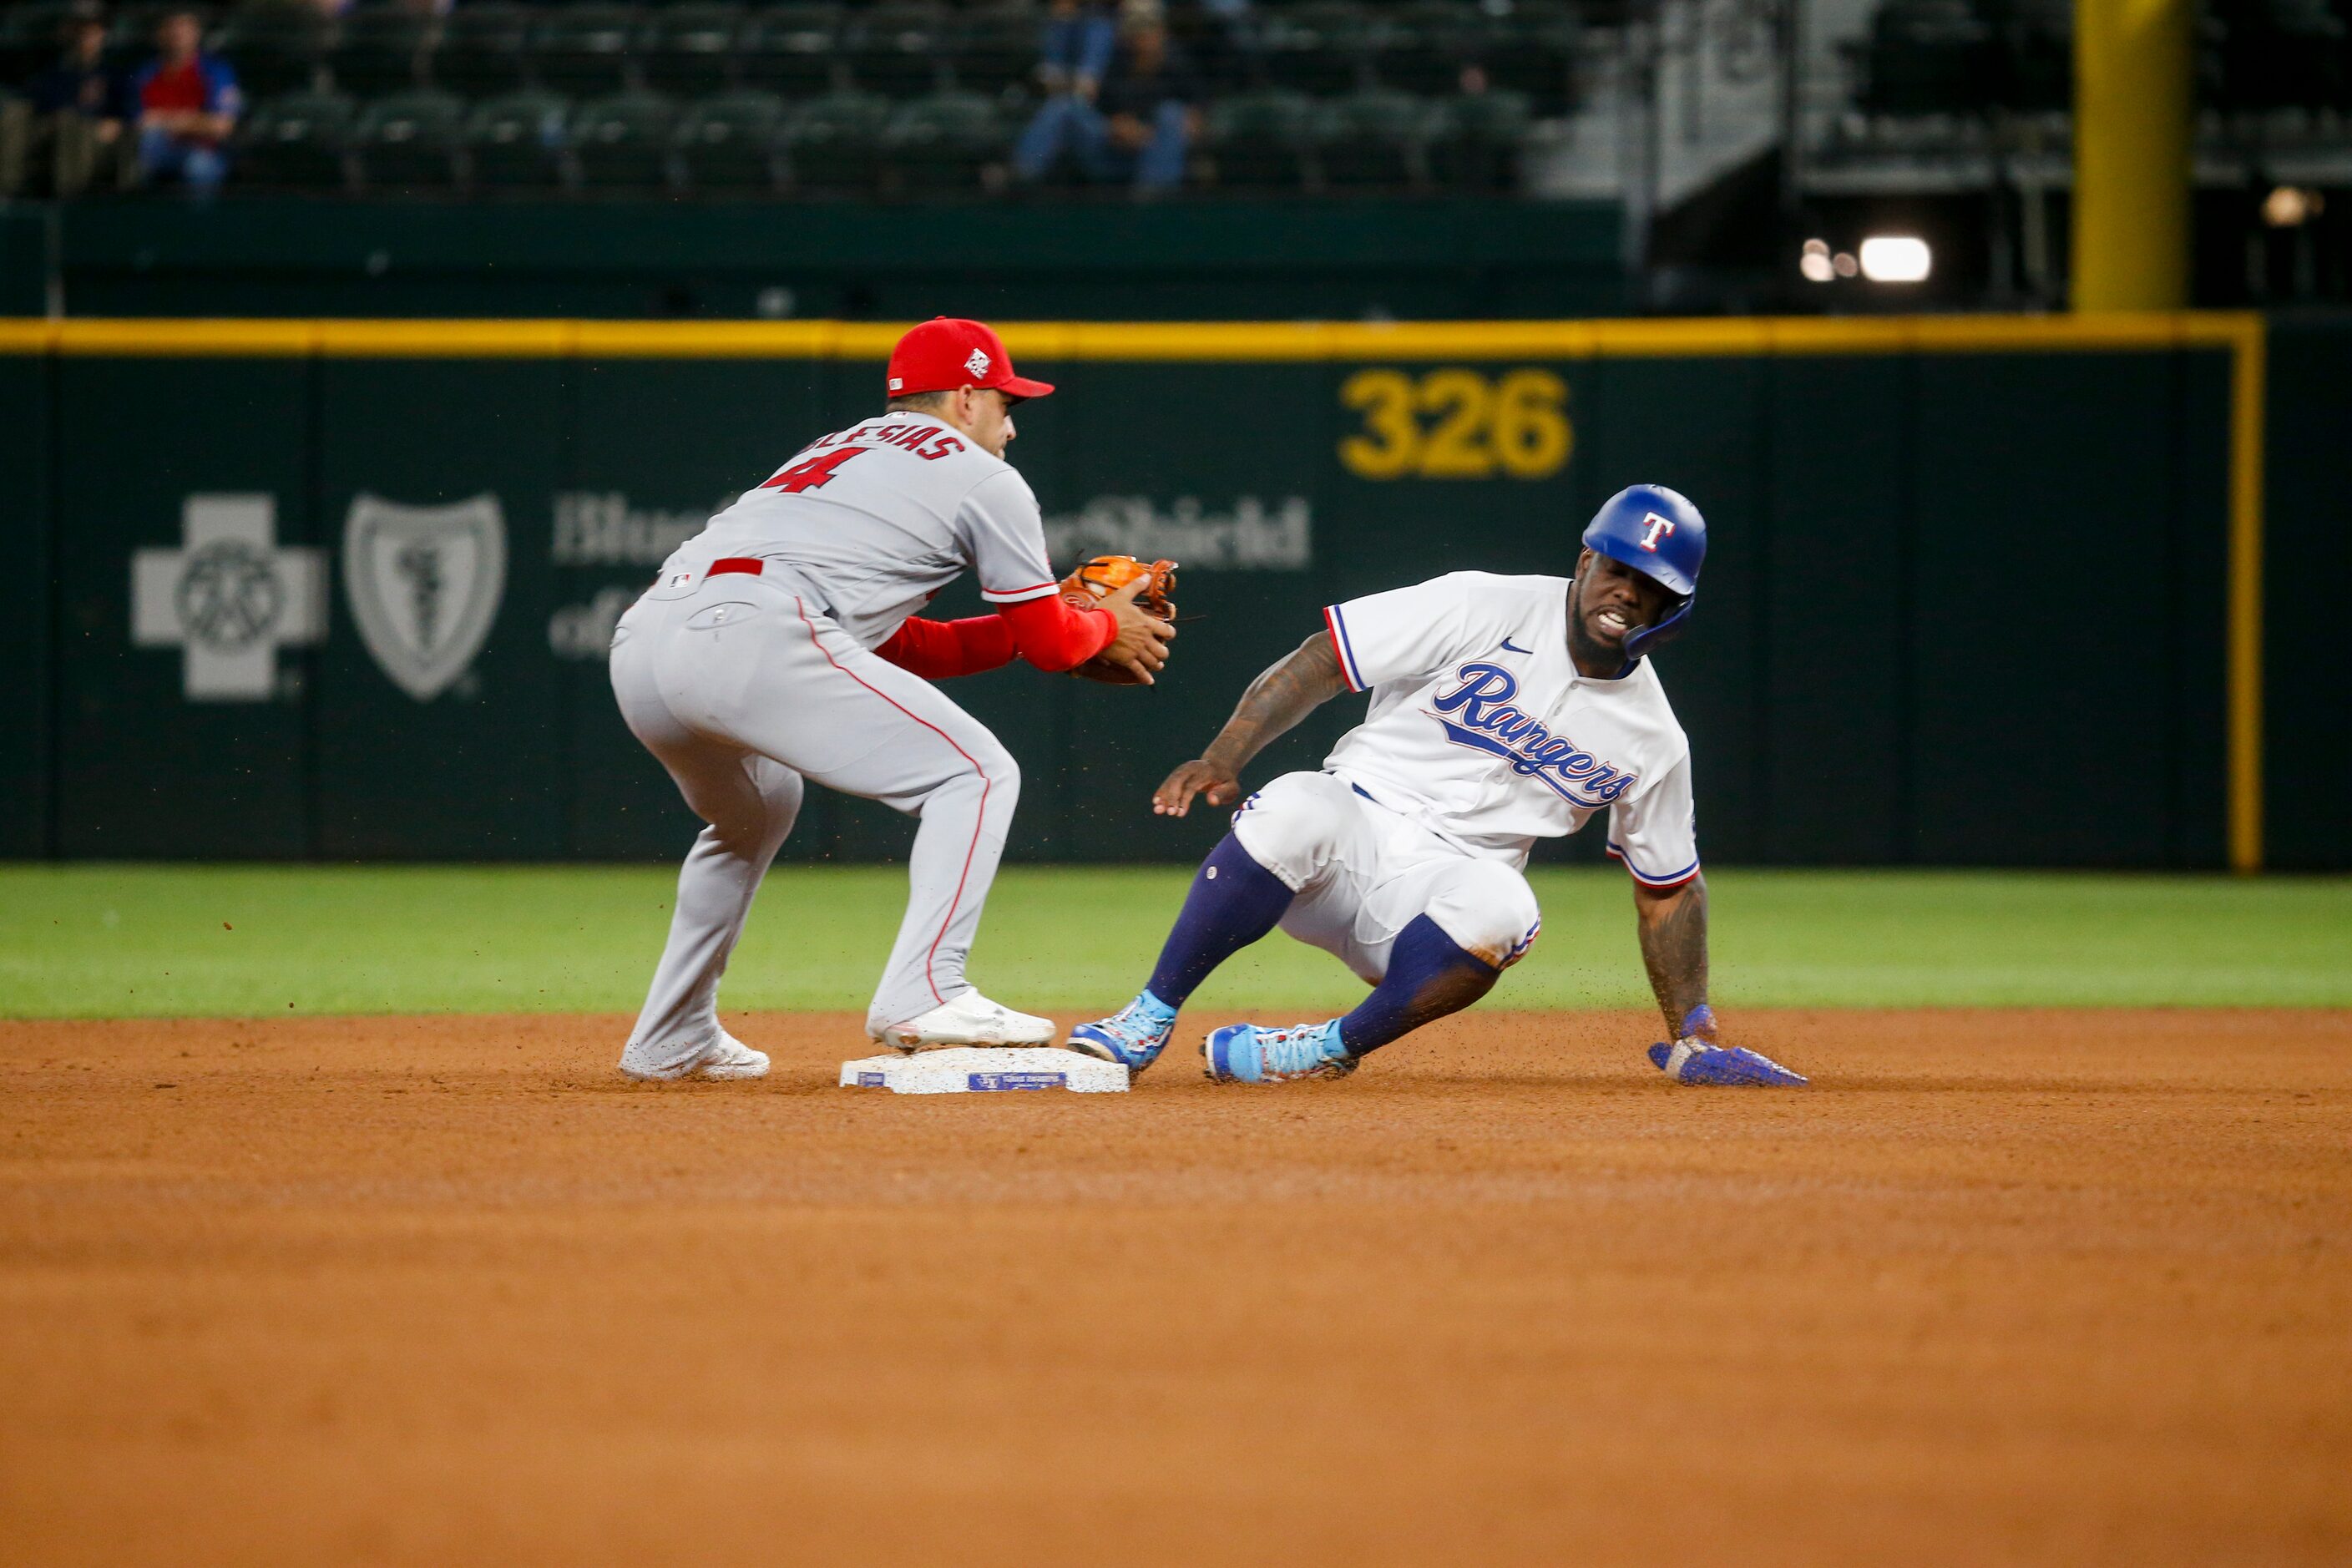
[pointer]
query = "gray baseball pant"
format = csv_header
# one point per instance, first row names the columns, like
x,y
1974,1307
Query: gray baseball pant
x,y
742,687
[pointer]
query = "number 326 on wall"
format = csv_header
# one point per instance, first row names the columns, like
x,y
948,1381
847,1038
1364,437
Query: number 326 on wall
x,y
1457,424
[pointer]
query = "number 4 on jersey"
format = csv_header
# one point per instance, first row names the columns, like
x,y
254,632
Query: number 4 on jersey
x,y
814,474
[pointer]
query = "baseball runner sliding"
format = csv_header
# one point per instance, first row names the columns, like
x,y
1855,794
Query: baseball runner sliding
x,y
781,645
1502,709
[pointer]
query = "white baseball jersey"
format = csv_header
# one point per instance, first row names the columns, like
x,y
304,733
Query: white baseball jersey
x,y
881,516
1482,729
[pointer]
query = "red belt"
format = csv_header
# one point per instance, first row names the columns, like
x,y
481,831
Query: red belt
x,y
750,565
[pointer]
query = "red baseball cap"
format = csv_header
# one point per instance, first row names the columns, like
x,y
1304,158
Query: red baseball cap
x,y
946,353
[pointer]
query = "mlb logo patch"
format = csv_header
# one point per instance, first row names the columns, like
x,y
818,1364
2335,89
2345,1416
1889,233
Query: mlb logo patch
x,y
994,1082
896,383
978,362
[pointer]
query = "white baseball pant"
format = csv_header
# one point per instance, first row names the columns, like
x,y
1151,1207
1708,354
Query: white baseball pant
x,y
742,686
1363,872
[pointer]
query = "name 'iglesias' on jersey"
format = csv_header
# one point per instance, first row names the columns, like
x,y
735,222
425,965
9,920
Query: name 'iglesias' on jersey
x,y
879,517
1482,729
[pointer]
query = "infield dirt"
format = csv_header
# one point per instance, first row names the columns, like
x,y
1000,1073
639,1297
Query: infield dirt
x,y
2001,1286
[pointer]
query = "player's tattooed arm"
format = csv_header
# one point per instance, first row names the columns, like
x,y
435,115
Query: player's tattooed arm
x,y
1674,947
1290,688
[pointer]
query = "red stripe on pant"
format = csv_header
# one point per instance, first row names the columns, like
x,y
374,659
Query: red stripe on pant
x,y
986,783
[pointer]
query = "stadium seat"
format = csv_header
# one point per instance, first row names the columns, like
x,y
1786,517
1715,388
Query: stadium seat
x,y
582,49
15,144
1370,140
516,141
791,49
1223,46
834,142
131,30
28,39
895,49
948,142
2278,54
690,49
1316,47
1928,57
993,51
1261,141
297,141
622,142
2037,39
1475,141
481,49
732,143
1532,48
1422,47
380,49
409,140
275,52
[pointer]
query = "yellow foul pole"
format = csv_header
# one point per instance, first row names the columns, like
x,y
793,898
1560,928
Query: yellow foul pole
x,y
2133,109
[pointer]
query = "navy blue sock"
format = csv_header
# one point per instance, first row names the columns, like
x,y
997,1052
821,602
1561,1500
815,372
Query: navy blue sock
x,y
1234,901
1428,977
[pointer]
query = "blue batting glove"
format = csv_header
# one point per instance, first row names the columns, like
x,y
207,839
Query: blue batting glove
x,y
1697,1061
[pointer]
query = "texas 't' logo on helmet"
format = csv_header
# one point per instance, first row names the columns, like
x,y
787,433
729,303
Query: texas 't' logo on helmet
x,y
1653,529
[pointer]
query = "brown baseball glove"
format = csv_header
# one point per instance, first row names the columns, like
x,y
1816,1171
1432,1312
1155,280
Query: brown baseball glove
x,y
1106,574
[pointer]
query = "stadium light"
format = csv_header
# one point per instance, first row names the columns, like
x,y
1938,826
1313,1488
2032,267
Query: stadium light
x,y
1815,262
1895,258
2289,205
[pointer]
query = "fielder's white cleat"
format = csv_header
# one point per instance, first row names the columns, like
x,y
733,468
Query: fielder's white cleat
x,y
724,1057
970,1019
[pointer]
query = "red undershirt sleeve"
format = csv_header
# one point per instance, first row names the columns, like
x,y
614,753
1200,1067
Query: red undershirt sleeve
x,y
941,650
1056,636
1049,634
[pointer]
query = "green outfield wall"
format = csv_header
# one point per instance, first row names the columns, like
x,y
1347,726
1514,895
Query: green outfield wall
x,y
2308,562
1981,591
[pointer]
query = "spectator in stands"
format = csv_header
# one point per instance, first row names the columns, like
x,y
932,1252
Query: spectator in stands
x,y
69,132
188,102
1140,122
81,85
1075,49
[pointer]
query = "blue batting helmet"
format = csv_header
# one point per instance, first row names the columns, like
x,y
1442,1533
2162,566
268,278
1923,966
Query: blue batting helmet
x,y
1660,534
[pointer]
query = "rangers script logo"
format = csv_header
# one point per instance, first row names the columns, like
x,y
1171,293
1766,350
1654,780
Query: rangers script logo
x,y
1482,720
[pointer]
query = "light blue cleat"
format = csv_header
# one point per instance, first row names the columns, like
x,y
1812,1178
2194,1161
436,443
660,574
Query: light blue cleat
x,y
1245,1053
1133,1037
1695,1061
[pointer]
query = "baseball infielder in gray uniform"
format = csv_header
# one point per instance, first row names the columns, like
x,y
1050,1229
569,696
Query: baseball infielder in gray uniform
x,y
779,645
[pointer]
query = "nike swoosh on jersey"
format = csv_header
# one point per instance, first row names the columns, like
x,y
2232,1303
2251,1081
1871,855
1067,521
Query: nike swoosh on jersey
x,y
1515,647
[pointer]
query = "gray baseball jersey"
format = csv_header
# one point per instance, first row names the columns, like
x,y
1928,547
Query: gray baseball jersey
x,y
747,667
881,516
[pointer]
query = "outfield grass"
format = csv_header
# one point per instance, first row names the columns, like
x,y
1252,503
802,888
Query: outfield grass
x,y
105,941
